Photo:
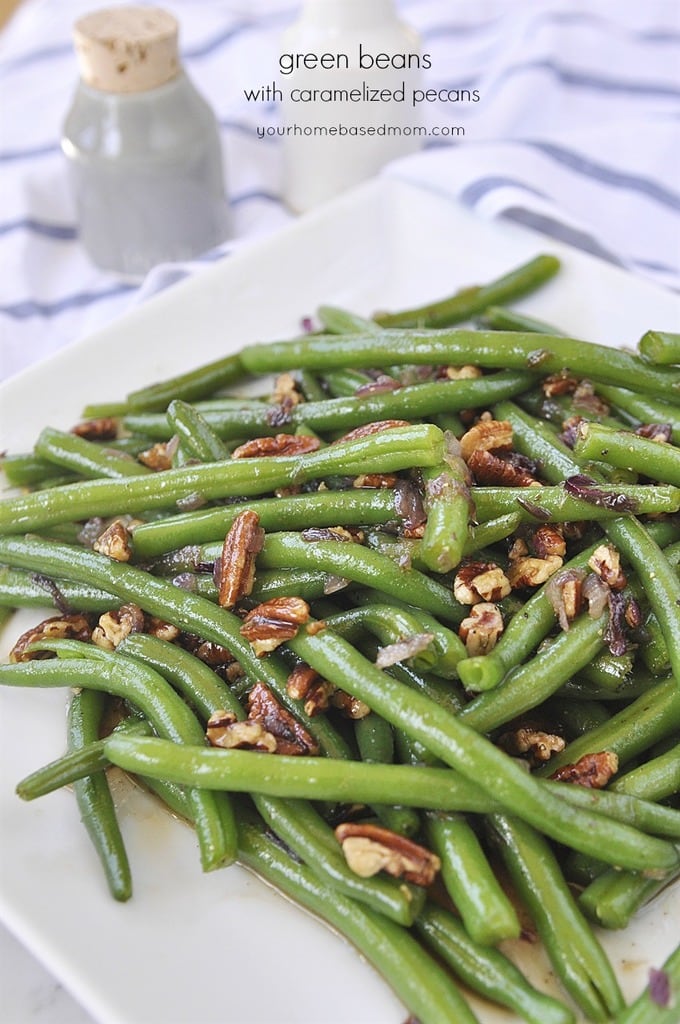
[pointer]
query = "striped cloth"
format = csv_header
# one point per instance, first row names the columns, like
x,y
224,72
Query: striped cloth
x,y
575,134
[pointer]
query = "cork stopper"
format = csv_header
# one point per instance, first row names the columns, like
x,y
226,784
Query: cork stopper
x,y
127,49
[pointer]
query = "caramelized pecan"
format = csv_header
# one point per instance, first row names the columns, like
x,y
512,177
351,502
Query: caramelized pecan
x,y
547,540
538,744
305,683
490,470
273,622
114,626
369,849
375,480
280,444
105,428
372,428
606,562
235,568
74,626
349,706
486,436
224,730
561,383
114,542
291,737
480,581
160,455
480,631
531,572
592,770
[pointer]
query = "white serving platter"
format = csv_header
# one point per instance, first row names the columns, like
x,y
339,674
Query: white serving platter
x,y
201,949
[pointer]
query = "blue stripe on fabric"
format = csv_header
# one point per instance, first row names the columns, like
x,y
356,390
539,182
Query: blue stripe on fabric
x,y
478,189
28,308
604,173
559,231
60,232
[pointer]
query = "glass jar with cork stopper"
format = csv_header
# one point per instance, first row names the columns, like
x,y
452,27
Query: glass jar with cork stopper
x,y
142,145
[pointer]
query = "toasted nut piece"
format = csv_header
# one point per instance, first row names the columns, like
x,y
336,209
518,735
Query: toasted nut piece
x,y
332,533
375,480
480,631
460,372
305,683
531,572
280,444
486,436
491,470
518,549
114,626
73,626
480,581
538,744
372,428
207,651
291,737
369,849
114,542
285,391
273,622
224,730
351,707
382,383
161,629
236,570
160,455
561,383
547,540
606,562
105,428
592,770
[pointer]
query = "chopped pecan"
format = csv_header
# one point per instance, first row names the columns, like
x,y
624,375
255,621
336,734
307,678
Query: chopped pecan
x,y
369,849
161,629
491,470
561,383
105,428
586,399
235,569
531,572
606,562
351,707
656,431
376,427
74,626
305,683
480,581
280,444
286,392
565,593
341,533
518,549
160,455
375,480
480,631
592,770
114,542
380,385
115,625
207,651
273,622
224,730
547,540
538,744
291,737
486,436
466,372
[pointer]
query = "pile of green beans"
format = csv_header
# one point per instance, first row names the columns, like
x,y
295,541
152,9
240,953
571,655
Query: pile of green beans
x,y
367,508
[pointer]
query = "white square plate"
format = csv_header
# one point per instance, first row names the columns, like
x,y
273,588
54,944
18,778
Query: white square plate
x,y
192,948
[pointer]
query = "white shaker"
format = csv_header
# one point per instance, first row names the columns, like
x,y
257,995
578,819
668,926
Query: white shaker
x,y
142,145
332,144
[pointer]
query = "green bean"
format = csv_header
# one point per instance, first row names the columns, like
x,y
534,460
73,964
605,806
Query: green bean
x,y
305,583
391,624
356,507
448,505
85,457
538,353
196,436
385,452
560,506
25,470
93,796
185,610
452,740
467,302
413,401
486,911
614,897
375,743
190,386
491,532
310,386
486,970
342,321
21,589
344,383
500,319
654,650
159,703
647,1008
418,981
575,953
657,460
642,408
655,780
660,347
77,764
643,814
354,562
630,732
